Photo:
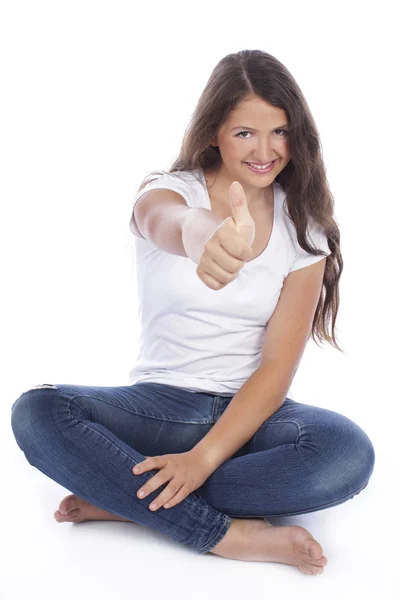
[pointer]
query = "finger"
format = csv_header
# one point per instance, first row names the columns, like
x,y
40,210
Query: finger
x,y
153,483
210,282
181,495
153,462
240,209
166,495
219,254
241,213
214,270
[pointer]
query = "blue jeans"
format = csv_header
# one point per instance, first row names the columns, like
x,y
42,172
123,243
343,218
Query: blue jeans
x,y
88,439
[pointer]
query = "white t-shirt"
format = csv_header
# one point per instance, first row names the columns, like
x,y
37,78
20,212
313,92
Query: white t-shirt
x,y
201,339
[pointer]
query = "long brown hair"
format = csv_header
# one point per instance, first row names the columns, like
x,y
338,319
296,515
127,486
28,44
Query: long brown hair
x,y
234,79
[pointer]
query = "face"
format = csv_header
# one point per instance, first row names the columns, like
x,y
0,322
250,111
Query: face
x,y
254,132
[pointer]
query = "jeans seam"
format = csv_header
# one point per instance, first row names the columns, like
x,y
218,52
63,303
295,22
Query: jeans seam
x,y
95,430
217,537
142,414
313,508
215,408
290,421
118,448
282,423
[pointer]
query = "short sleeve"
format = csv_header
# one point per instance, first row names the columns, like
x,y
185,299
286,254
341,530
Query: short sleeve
x,y
319,240
169,181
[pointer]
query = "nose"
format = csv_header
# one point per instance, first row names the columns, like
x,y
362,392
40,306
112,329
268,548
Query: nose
x,y
264,151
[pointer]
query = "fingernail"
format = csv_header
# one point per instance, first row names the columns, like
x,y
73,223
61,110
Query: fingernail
x,y
153,506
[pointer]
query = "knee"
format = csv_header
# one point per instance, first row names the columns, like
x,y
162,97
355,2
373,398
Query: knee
x,y
364,453
359,450
30,412
353,455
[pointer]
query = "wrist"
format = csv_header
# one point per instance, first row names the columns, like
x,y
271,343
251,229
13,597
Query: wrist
x,y
199,224
206,457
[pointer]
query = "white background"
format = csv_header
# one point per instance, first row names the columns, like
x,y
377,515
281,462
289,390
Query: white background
x,y
95,95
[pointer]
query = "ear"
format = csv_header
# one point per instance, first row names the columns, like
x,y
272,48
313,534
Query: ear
x,y
214,142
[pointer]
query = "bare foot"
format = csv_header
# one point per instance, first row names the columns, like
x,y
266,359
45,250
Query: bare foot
x,y
73,509
255,540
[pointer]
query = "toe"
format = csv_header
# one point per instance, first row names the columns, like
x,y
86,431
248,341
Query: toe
x,y
68,504
310,569
70,517
307,559
316,570
60,517
317,562
314,549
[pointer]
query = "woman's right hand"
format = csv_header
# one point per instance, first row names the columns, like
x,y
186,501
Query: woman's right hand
x,y
224,253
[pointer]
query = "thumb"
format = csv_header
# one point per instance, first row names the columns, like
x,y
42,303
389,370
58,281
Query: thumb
x,y
240,212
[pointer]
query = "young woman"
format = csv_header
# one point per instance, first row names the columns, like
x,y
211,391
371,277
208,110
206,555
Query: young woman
x,y
238,264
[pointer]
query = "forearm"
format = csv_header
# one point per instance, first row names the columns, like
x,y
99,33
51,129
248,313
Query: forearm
x,y
197,227
259,397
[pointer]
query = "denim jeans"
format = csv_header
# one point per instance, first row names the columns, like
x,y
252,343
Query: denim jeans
x,y
302,459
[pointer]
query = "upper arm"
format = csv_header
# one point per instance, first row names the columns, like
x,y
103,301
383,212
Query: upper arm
x,y
158,215
289,327
154,203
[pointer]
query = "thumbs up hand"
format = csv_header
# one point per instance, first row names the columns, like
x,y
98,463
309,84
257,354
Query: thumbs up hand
x,y
228,248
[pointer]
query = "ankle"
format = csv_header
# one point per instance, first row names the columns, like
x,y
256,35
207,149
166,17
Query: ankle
x,y
234,536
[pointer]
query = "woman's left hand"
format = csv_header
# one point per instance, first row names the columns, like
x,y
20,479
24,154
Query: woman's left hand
x,y
185,472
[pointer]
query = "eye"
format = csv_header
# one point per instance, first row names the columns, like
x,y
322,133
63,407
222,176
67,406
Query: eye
x,y
240,133
284,132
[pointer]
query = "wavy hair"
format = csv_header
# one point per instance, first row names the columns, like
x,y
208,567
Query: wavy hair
x,y
234,79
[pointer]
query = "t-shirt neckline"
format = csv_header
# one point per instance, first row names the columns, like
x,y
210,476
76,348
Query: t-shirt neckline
x,y
274,222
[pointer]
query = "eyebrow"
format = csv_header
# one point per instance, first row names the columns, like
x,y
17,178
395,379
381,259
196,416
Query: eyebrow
x,y
252,128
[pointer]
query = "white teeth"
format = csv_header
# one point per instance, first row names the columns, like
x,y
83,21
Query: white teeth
x,y
261,167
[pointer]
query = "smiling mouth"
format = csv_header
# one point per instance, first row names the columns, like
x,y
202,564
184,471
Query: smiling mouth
x,y
261,164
